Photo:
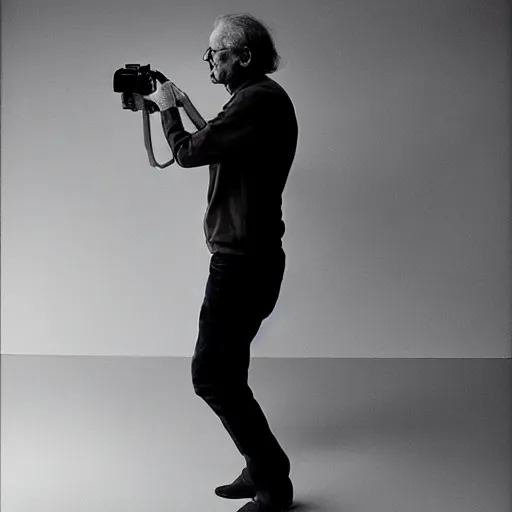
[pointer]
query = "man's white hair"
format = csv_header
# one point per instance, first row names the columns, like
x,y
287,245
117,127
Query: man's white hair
x,y
245,30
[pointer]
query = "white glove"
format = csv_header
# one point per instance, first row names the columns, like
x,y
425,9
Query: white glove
x,y
163,96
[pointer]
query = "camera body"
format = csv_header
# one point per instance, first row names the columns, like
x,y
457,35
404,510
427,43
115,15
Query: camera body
x,y
134,81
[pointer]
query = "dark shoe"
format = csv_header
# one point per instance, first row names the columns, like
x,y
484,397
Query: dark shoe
x,y
258,506
240,488
280,497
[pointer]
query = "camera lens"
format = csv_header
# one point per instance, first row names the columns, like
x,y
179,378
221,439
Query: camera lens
x,y
125,80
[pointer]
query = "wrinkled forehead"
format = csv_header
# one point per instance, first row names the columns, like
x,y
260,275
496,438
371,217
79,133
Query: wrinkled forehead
x,y
217,37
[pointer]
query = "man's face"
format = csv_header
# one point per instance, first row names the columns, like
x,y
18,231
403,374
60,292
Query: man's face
x,y
224,63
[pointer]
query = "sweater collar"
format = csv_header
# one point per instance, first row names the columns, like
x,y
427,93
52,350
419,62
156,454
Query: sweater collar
x,y
246,83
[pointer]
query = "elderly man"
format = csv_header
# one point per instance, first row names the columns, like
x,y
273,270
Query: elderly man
x,y
249,147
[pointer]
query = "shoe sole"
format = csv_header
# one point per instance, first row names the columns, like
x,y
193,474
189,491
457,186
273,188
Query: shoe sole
x,y
248,495
233,496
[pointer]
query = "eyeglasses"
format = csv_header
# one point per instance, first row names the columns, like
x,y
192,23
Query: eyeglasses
x,y
208,54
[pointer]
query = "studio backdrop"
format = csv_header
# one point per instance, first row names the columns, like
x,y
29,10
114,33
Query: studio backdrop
x,y
397,207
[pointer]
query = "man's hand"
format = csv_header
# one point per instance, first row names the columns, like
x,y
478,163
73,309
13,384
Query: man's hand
x,y
180,97
169,95
164,96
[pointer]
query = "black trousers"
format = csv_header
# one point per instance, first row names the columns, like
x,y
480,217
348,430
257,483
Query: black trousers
x,y
241,292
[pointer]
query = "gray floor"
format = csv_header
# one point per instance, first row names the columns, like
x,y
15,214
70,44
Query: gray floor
x,y
363,435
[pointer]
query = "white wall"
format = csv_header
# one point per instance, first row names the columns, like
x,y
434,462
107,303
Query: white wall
x,y
397,208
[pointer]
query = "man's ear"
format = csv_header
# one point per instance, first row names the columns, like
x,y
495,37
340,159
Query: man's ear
x,y
245,57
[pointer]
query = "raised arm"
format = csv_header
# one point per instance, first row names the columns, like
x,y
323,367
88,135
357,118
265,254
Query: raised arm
x,y
231,132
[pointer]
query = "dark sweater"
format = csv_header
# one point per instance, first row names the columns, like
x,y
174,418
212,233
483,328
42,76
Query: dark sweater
x,y
249,147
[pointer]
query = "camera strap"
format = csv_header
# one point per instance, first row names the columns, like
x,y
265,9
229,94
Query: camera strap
x,y
146,125
192,114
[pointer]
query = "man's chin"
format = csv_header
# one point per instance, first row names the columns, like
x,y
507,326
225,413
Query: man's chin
x,y
214,79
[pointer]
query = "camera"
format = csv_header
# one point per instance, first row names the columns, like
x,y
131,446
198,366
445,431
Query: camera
x,y
135,81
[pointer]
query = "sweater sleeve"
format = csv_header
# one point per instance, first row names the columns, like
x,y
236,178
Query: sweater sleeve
x,y
233,130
